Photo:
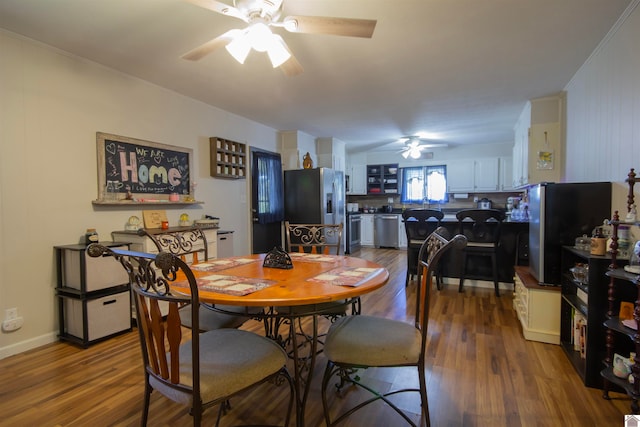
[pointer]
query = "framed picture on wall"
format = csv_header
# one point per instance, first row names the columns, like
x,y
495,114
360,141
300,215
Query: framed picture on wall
x,y
134,170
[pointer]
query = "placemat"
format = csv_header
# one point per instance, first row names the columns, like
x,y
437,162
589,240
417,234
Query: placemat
x,y
232,285
303,256
221,264
346,276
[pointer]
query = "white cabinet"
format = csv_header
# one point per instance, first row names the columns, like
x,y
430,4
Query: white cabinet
x,y
506,174
460,176
366,230
539,141
486,175
473,175
357,179
537,308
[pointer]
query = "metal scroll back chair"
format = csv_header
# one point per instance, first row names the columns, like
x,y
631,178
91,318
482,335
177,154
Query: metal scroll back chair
x,y
418,225
190,244
482,229
198,370
314,238
363,341
318,239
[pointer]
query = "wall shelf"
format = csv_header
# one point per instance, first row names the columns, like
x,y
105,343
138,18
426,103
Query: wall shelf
x,y
228,158
139,203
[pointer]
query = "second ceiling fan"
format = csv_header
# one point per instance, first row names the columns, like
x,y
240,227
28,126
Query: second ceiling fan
x,y
261,15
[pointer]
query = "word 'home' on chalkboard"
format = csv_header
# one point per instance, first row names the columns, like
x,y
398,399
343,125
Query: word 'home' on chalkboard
x,y
129,165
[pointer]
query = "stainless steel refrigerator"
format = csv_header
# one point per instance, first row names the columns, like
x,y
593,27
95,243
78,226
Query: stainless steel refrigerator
x,y
314,196
558,213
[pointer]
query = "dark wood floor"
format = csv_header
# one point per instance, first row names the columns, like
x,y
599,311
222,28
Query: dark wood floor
x,y
481,372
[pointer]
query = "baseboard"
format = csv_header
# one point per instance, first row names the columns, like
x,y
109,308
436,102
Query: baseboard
x,y
472,283
30,344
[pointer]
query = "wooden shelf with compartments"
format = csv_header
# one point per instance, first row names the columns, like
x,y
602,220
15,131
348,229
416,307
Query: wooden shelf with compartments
x,y
228,158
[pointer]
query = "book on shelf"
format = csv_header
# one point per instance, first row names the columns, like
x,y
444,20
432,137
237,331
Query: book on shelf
x,y
582,296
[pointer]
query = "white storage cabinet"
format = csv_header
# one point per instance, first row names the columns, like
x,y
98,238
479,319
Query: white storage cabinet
x,y
93,295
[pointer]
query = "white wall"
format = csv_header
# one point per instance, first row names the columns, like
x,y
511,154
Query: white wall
x,y
603,108
603,111
51,106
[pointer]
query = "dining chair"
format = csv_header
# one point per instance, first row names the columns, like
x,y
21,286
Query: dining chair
x,y
418,225
357,342
191,245
199,370
320,239
482,229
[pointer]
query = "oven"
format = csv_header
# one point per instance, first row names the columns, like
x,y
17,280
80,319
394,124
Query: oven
x,y
352,233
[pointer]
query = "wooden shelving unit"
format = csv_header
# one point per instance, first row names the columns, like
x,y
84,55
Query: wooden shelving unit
x,y
228,158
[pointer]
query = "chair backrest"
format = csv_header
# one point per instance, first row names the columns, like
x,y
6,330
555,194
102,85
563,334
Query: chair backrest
x,y
181,242
481,225
419,223
431,252
314,238
151,278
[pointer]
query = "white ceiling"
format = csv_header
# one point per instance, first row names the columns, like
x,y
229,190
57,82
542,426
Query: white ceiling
x,y
460,69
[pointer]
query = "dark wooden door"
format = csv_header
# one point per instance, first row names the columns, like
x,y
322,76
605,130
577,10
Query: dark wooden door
x,y
267,200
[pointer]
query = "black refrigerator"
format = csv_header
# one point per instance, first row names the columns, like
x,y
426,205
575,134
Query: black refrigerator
x,y
558,213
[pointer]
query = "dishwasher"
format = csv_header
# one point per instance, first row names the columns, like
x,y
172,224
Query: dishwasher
x,y
386,231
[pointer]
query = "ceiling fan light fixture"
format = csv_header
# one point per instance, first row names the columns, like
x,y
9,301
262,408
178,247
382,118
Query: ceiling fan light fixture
x,y
260,37
414,152
239,48
278,51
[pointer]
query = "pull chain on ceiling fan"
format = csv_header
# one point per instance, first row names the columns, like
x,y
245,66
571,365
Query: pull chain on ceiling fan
x,y
263,14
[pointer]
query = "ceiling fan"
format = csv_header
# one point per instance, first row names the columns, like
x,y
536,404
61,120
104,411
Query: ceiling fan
x,y
261,15
413,146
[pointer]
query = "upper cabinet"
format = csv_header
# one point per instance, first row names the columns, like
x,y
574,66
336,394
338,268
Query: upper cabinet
x,y
506,174
473,175
382,179
539,141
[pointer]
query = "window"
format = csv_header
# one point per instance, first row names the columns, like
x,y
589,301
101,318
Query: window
x,y
424,184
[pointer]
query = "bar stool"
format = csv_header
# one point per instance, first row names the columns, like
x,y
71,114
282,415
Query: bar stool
x,y
481,227
418,225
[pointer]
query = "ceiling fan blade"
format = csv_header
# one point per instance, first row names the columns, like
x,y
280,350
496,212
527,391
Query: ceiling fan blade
x,y
219,7
205,49
329,25
291,67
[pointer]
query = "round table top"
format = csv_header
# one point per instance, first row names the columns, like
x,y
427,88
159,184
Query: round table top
x,y
312,280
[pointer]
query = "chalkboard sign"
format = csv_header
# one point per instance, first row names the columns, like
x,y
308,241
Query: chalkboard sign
x,y
137,168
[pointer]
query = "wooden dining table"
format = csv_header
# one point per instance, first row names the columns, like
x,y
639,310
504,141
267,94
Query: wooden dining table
x,y
313,281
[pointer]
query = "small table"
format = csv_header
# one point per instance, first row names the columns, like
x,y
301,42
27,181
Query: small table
x,y
313,281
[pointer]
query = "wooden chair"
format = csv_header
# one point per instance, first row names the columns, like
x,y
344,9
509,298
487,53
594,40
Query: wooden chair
x,y
210,367
356,342
418,225
482,229
190,244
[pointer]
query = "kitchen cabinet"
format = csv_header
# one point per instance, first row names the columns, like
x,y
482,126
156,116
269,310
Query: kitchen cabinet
x,y
583,311
537,307
92,293
357,179
366,230
506,173
460,176
486,175
473,175
382,179
539,141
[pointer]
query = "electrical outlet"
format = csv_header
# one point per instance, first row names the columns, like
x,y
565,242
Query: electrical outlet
x,y
11,313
